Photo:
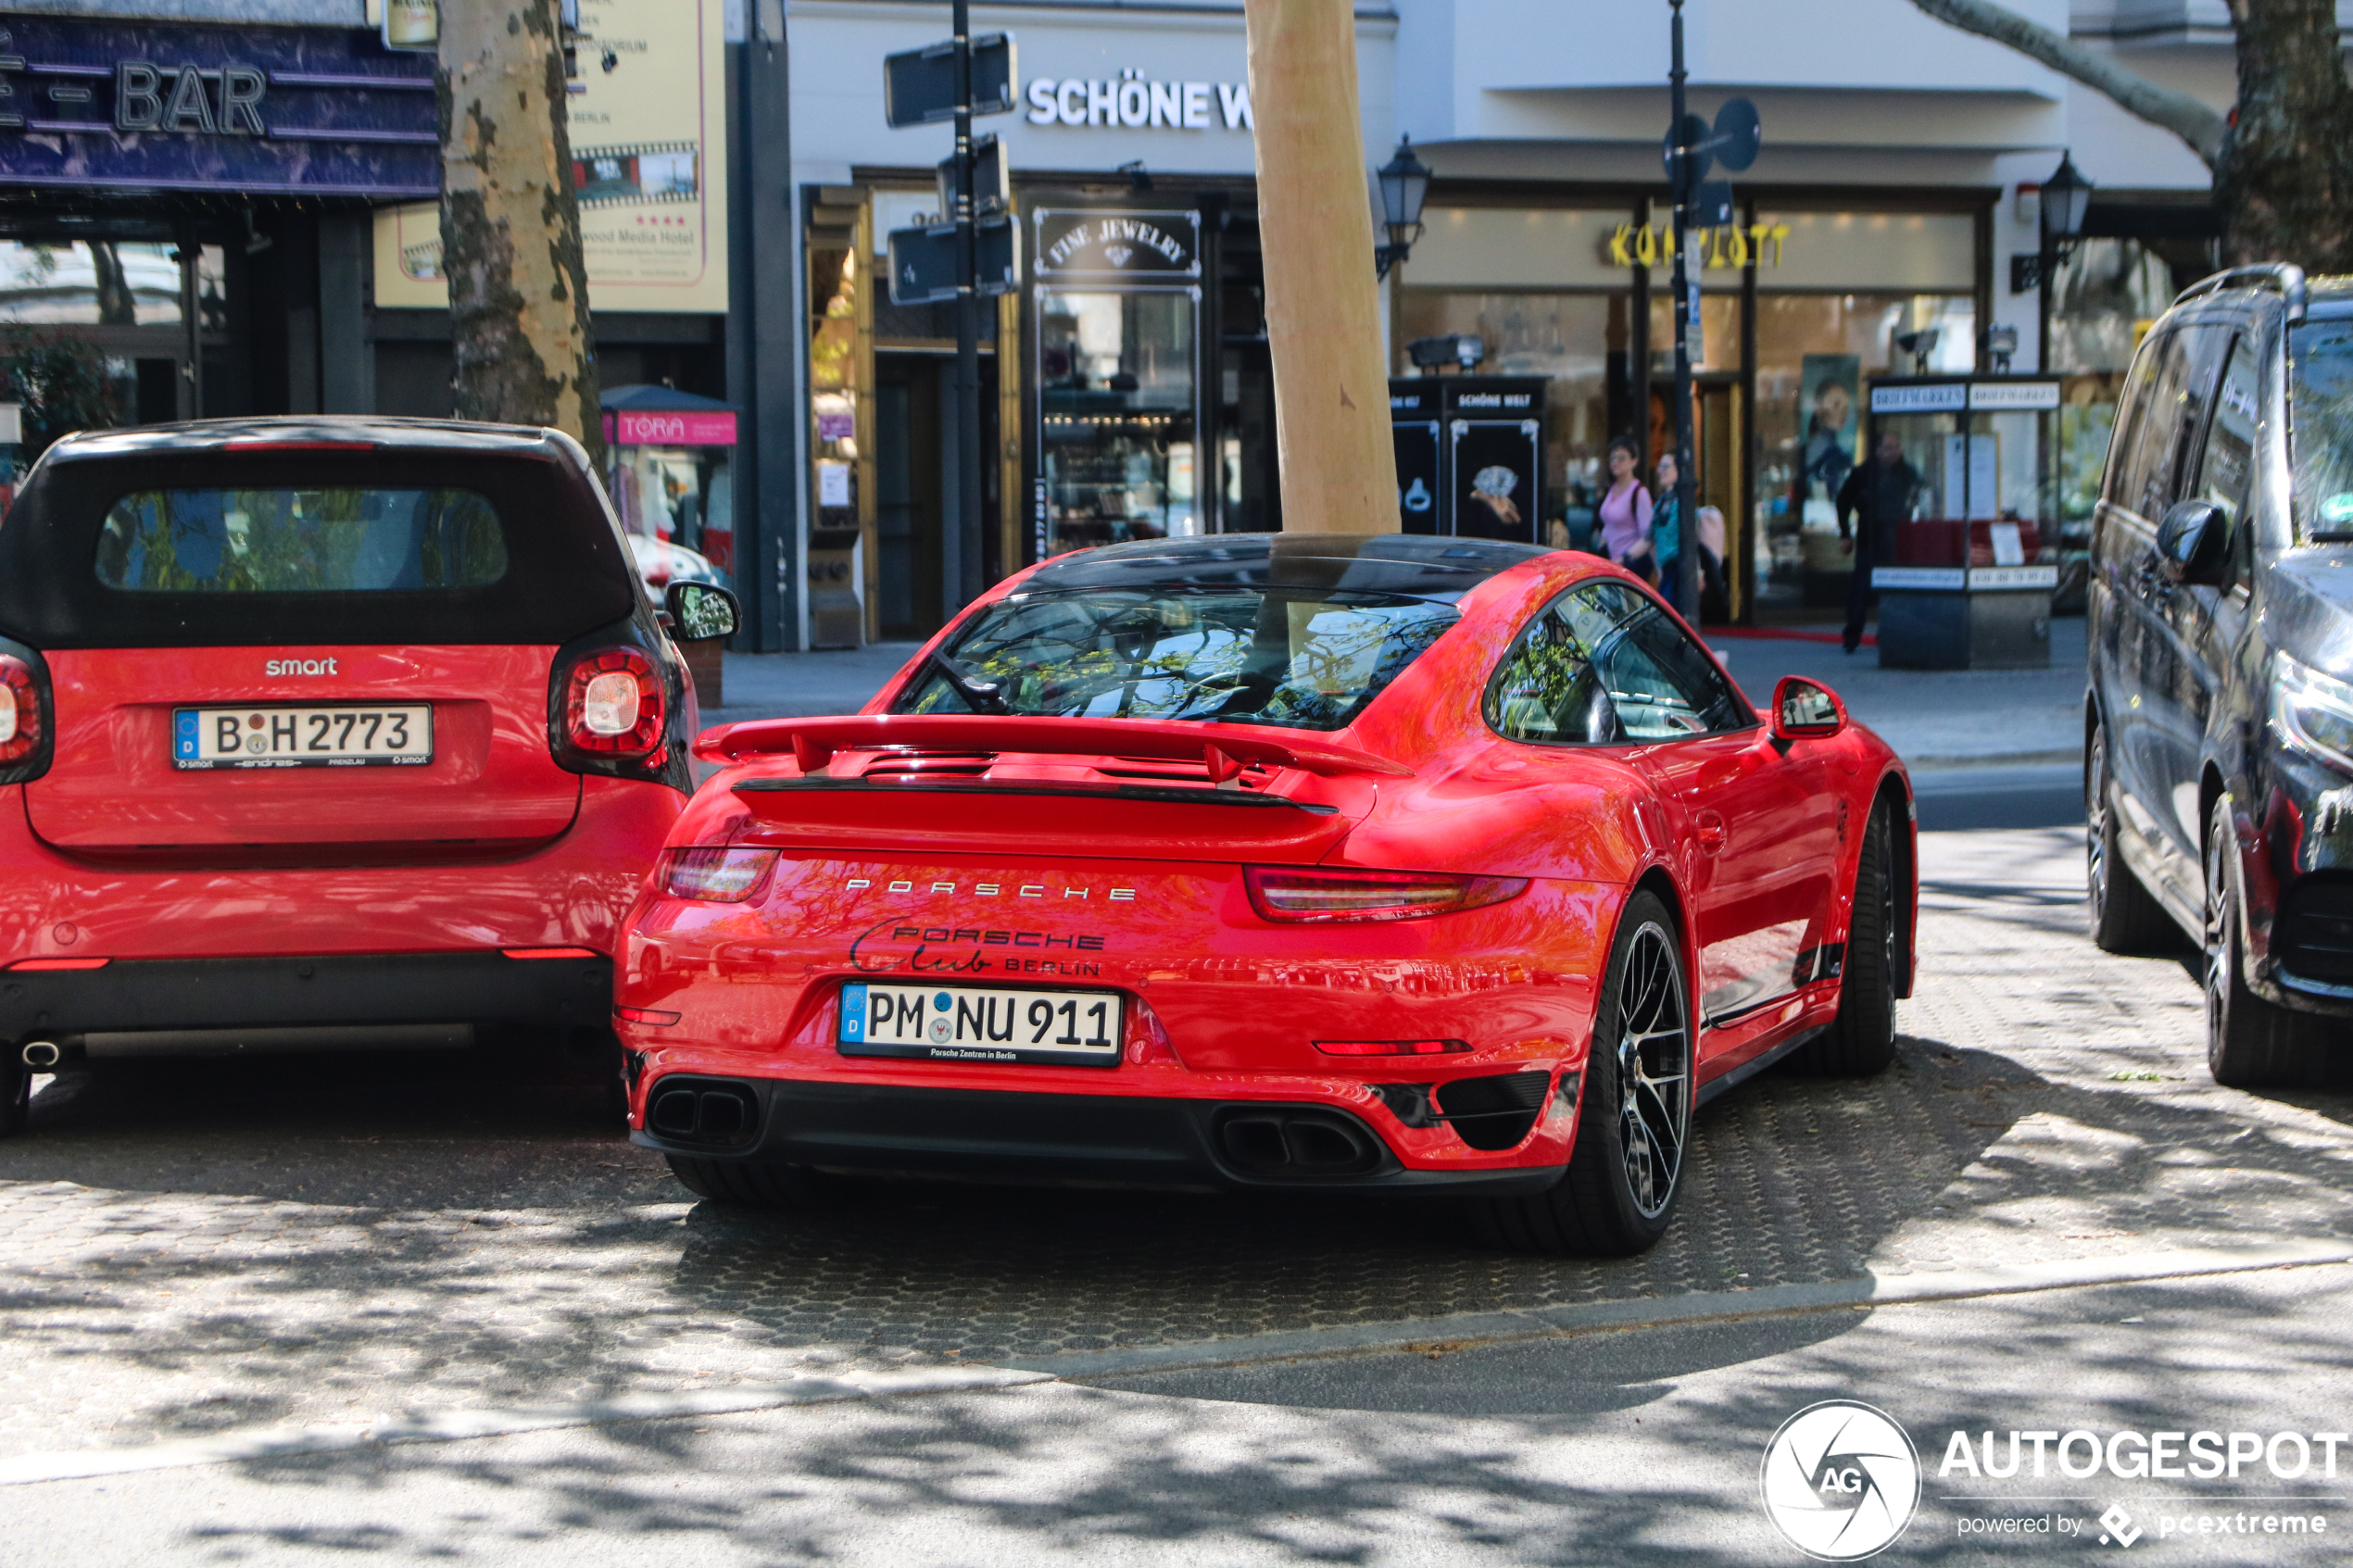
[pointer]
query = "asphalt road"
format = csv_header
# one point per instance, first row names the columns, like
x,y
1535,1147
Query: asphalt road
x,y
351,1323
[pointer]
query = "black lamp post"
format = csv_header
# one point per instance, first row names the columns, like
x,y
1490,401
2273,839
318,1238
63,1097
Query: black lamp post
x,y
1405,185
2065,201
2067,198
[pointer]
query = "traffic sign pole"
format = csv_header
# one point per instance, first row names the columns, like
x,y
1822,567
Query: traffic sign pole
x,y
1683,592
961,571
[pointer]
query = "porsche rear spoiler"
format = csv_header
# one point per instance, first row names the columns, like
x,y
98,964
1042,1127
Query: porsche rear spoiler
x,y
1223,749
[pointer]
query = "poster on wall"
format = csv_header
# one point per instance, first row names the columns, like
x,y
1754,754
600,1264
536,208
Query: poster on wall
x,y
1495,464
649,153
1829,402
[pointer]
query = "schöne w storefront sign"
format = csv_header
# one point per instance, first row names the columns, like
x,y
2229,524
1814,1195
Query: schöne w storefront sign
x,y
320,111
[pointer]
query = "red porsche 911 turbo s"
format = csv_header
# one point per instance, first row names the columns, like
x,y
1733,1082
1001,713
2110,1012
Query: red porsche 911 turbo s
x,y
1402,863
322,734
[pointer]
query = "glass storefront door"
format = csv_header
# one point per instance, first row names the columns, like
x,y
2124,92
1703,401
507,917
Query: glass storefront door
x,y
1117,450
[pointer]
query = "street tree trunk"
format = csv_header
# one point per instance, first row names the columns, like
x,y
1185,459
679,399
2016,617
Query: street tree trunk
x,y
1323,303
2282,161
2284,184
510,222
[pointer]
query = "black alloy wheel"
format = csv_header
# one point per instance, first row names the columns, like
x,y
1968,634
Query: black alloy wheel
x,y
2250,1043
1861,1040
1626,1168
2124,916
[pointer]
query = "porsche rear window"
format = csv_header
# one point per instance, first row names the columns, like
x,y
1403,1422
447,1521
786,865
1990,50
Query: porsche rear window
x,y
1307,661
301,541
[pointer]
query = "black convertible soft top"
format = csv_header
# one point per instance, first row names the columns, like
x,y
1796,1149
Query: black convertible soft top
x,y
568,569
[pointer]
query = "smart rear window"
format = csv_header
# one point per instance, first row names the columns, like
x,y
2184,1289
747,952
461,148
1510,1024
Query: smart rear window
x,y
325,540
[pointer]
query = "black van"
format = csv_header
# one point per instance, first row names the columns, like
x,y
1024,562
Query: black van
x,y
2219,756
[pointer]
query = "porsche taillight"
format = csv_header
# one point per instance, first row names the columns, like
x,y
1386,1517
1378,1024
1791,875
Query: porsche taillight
x,y
718,873
20,711
612,704
1280,893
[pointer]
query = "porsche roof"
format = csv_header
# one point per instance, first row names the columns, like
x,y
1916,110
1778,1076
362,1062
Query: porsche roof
x,y
1421,566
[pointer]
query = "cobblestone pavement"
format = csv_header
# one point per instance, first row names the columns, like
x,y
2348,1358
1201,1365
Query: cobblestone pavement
x,y
197,1251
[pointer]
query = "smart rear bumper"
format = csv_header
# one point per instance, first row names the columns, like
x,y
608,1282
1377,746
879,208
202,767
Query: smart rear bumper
x,y
325,991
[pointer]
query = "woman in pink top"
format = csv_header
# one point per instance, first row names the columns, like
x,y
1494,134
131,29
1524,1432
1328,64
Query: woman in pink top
x,y
1626,512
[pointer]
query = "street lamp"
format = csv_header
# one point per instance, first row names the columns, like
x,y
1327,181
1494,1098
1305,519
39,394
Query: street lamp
x,y
1404,184
2065,199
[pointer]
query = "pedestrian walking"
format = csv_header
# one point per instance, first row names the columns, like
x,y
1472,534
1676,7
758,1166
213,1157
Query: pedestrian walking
x,y
1876,497
1625,510
1666,548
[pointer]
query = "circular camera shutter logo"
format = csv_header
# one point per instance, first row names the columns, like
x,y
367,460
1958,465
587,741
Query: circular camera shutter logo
x,y
1841,1480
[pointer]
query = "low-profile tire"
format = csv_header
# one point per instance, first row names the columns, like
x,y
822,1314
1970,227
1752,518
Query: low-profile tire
x,y
2250,1043
753,1184
1626,1168
16,1091
1860,1041
2124,916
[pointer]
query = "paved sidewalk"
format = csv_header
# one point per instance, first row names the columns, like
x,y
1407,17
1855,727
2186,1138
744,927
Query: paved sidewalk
x,y
1932,718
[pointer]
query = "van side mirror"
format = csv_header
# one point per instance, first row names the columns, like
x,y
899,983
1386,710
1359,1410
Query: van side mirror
x,y
701,610
1804,710
2194,543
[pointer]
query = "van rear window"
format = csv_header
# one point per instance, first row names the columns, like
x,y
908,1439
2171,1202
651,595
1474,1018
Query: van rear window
x,y
301,541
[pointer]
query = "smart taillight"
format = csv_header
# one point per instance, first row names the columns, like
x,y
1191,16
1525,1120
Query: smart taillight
x,y
612,704
19,710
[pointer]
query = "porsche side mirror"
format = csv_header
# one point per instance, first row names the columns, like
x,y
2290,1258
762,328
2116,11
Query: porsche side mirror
x,y
2194,543
701,610
1804,710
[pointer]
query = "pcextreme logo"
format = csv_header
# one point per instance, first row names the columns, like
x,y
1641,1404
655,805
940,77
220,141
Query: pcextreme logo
x,y
1841,1480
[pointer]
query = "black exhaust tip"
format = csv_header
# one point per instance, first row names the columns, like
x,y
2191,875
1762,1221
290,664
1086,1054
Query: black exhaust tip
x,y
712,1114
1297,1143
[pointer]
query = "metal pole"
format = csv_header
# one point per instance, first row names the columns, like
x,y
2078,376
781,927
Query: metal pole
x,y
960,566
1684,591
191,400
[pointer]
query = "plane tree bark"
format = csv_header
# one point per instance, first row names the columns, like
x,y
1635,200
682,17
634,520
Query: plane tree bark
x,y
2282,161
1323,303
510,222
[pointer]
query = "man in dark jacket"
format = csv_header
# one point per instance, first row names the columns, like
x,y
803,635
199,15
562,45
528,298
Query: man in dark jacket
x,y
1879,489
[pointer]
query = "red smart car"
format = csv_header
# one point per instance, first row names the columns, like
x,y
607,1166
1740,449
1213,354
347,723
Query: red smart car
x,y
1401,864
316,733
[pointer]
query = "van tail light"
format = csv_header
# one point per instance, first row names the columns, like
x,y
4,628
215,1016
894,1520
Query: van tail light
x,y
1291,896
718,873
19,710
612,704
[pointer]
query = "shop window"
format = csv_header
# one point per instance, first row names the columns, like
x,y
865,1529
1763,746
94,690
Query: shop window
x,y
1815,353
1116,378
1580,342
107,283
2105,298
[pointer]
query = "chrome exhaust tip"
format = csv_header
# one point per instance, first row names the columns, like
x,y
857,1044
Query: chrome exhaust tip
x,y
41,1054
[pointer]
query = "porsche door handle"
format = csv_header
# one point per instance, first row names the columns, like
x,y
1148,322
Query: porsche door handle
x,y
1708,828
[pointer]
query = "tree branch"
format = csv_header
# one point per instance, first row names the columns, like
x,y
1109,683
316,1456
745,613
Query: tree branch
x,y
2178,112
